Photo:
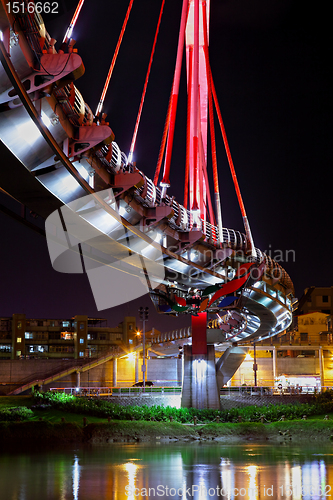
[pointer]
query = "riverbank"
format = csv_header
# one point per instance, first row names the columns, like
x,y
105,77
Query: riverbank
x,y
44,434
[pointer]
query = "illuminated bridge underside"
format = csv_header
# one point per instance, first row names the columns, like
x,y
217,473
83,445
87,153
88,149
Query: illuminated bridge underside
x,y
55,153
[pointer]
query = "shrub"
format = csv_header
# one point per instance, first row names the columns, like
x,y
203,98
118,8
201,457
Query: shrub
x,y
13,414
103,408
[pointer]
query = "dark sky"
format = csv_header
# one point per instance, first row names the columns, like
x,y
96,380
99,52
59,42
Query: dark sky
x,y
271,64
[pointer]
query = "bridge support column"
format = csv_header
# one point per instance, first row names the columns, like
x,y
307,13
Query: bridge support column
x,y
78,379
114,375
199,379
199,370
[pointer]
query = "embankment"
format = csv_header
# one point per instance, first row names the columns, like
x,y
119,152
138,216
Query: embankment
x,y
43,434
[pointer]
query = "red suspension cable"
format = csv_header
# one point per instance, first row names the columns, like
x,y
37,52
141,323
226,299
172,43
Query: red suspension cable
x,y
189,97
174,99
203,166
73,21
163,142
108,78
210,101
145,86
233,174
211,126
195,103
227,149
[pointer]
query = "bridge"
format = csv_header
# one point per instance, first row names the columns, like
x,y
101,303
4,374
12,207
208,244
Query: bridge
x,y
105,217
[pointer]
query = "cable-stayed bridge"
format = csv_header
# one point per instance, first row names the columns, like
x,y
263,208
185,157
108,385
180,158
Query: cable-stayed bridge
x,y
105,217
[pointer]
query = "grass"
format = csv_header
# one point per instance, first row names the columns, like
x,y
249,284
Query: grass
x,y
55,421
8,401
52,415
53,426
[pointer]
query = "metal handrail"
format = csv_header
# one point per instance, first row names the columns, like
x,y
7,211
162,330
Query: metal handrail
x,y
117,391
248,390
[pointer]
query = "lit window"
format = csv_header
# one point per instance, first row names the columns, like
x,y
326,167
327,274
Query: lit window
x,y
19,340
18,353
81,354
81,341
65,323
19,325
81,326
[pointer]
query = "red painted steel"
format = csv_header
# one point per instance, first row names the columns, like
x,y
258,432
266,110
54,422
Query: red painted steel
x,y
146,84
227,149
199,334
175,91
163,142
73,22
113,62
189,97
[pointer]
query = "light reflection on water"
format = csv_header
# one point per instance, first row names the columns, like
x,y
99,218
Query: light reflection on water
x,y
198,471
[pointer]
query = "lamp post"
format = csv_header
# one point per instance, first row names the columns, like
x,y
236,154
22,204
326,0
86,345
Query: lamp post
x,y
255,366
143,314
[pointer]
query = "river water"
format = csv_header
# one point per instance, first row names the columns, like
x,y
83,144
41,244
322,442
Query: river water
x,y
201,471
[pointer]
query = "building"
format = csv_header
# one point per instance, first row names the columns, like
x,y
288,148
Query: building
x,y
301,356
74,338
316,299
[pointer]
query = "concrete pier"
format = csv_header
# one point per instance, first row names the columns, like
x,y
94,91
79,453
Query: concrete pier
x,y
199,379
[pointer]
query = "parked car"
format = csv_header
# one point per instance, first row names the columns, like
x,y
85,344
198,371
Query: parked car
x,y
140,384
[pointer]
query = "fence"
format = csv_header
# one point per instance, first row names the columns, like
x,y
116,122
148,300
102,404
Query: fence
x,y
116,391
271,391
225,391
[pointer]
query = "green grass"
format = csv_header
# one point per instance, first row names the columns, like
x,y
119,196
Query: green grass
x,y
54,407
64,424
52,415
8,401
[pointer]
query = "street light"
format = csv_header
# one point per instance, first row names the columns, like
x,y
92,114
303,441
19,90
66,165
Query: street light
x,y
255,366
143,315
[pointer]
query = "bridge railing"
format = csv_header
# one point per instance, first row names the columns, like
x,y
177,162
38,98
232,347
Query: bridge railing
x,y
116,391
270,390
177,390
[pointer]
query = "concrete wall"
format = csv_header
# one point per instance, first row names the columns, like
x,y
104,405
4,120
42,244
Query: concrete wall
x,y
298,366
14,373
245,374
163,372
285,366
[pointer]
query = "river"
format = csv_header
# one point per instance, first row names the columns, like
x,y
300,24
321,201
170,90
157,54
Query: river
x,y
201,471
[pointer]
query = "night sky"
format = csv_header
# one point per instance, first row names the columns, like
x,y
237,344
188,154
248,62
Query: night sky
x,y
271,64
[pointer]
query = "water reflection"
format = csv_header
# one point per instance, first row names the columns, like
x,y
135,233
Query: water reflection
x,y
76,478
198,471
